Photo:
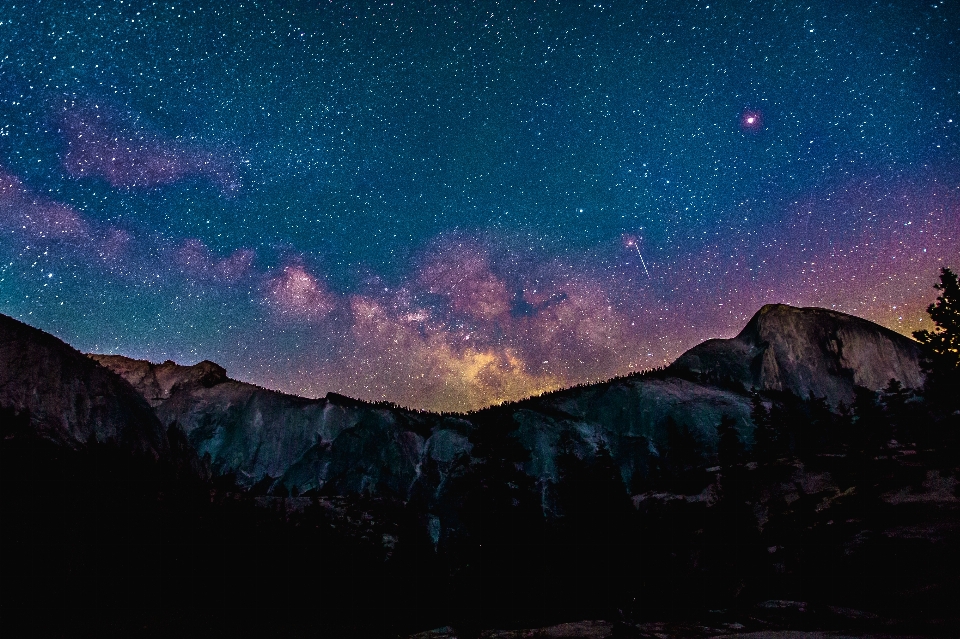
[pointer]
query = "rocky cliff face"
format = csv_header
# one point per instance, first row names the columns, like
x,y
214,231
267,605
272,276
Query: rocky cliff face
x,y
156,382
70,398
349,446
804,351
625,414
335,442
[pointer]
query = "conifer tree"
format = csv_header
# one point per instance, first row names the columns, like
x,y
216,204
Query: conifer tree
x,y
730,456
819,432
729,448
901,413
733,553
681,459
941,346
767,441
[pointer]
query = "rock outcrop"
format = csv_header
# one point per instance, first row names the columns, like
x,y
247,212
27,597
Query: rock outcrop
x,y
806,351
338,443
70,398
629,416
156,382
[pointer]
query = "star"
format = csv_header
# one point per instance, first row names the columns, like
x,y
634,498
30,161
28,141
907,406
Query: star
x,y
343,201
751,120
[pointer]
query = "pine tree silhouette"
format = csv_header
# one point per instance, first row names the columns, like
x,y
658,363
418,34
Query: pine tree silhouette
x,y
941,346
682,458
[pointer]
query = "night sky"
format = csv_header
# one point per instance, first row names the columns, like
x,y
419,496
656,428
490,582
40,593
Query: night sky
x,y
454,205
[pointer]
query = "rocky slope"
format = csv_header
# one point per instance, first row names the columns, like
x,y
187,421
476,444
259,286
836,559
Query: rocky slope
x,y
806,350
336,442
349,446
70,398
156,382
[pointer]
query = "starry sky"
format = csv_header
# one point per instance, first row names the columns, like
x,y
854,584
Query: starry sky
x,y
450,205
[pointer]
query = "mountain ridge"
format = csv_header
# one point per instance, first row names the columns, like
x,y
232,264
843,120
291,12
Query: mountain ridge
x,y
341,444
807,351
69,397
258,433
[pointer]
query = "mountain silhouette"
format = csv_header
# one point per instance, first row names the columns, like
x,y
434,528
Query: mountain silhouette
x,y
344,445
807,351
70,399
779,466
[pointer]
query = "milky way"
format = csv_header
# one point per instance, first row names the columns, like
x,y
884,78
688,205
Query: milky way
x,y
453,205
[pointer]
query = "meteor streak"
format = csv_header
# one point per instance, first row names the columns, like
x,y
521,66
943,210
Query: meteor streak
x,y
634,241
641,260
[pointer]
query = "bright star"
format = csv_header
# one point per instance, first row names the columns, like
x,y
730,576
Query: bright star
x,y
751,120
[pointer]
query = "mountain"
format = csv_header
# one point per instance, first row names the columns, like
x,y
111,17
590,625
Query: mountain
x,y
489,517
806,351
156,382
111,526
347,446
70,399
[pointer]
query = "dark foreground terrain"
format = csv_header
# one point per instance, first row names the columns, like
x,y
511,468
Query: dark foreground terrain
x,y
98,539
719,626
